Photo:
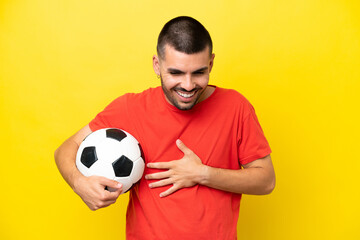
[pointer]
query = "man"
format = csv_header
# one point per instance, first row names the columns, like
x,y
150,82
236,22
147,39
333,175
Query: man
x,y
195,138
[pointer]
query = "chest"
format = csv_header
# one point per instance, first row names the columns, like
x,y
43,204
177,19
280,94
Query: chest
x,y
211,135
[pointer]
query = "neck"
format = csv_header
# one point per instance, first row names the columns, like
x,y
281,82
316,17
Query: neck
x,y
207,93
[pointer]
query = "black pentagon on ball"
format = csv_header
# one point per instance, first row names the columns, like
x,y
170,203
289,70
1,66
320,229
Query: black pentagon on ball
x,y
123,166
116,134
88,156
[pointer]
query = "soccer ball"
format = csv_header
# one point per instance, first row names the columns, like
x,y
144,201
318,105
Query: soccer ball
x,y
111,153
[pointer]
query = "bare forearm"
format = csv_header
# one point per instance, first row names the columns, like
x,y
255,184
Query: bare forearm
x,y
244,181
253,180
65,161
65,156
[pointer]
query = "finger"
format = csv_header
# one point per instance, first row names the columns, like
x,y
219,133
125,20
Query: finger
x,y
110,183
161,183
114,195
110,196
158,175
183,147
169,191
104,204
159,165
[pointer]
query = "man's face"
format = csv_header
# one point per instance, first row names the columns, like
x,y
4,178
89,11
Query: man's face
x,y
184,77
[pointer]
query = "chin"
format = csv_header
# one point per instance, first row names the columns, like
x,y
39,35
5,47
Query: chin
x,y
187,107
184,106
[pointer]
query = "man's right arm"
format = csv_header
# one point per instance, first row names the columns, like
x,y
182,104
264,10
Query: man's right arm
x,y
90,189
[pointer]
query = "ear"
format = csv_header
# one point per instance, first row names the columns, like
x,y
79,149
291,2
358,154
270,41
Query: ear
x,y
211,63
156,65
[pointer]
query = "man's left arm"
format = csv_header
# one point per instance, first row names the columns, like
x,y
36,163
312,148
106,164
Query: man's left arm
x,y
256,177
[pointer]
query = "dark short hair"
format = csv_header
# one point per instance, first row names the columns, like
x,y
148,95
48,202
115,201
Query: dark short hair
x,y
185,34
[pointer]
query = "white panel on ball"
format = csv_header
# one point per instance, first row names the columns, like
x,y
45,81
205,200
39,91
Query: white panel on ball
x,y
103,170
130,147
138,170
126,182
109,149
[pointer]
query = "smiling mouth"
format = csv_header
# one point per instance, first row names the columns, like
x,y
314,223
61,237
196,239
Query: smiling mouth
x,y
186,95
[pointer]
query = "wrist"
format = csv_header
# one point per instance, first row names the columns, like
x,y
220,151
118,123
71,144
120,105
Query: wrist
x,y
76,179
204,175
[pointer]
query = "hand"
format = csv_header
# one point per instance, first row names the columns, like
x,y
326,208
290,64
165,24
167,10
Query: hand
x,y
92,191
182,173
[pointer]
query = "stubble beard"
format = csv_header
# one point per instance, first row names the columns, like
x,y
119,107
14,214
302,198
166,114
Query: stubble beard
x,y
173,101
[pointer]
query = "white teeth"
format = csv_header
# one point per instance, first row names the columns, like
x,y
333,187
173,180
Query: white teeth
x,y
186,95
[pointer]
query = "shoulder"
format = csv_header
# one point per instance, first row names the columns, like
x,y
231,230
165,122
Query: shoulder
x,y
136,98
122,110
231,96
232,101
146,94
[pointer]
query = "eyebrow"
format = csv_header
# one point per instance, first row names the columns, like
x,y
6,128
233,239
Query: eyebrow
x,y
179,71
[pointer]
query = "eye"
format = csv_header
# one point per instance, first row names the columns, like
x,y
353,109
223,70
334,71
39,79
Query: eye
x,y
175,73
199,73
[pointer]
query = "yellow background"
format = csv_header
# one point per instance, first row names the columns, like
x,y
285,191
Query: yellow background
x,y
297,61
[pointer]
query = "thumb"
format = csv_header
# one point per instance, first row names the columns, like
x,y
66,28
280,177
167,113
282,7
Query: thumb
x,y
110,183
182,147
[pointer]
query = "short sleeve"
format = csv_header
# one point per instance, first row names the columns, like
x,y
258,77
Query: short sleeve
x,y
252,143
114,115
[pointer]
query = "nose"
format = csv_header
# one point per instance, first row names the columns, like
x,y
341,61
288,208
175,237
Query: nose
x,y
188,84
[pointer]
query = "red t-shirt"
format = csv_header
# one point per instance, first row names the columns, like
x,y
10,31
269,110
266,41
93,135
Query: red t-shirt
x,y
222,130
